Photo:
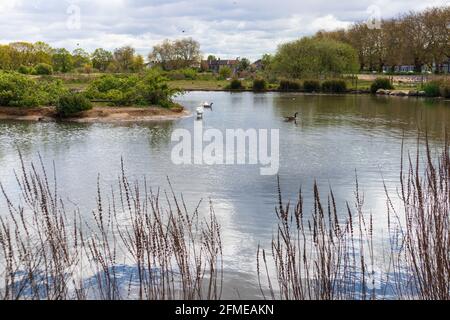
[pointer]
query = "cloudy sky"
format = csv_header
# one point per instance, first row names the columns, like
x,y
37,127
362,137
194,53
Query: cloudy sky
x,y
227,28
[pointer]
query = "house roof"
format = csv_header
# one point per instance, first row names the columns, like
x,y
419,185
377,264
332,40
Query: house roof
x,y
220,62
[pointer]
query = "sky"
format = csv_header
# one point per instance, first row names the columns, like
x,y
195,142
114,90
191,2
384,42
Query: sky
x,y
225,28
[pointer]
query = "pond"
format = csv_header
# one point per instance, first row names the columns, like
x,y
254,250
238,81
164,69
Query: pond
x,y
335,138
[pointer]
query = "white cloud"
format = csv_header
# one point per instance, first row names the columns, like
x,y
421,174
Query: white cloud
x,y
223,27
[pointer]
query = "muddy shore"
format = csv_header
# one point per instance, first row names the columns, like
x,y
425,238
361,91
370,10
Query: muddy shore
x,y
97,114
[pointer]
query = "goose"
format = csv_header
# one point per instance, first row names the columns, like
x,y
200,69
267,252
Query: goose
x,y
207,105
291,119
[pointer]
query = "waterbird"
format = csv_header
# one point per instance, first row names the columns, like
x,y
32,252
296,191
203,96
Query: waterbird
x,y
208,105
200,111
291,119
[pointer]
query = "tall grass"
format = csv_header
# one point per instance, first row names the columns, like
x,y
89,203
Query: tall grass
x,y
322,258
328,258
50,253
421,246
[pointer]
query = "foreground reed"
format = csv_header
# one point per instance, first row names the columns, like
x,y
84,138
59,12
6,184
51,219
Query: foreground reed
x,y
322,258
141,244
326,257
136,248
420,235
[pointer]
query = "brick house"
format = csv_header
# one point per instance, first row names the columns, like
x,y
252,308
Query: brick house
x,y
216,65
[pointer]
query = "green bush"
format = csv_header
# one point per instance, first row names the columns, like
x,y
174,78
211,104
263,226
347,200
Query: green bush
x,y
289,85
236,84
175,75
25,70
334,86
225,73
117,89
72,104
311,86
259,85
189,73
125,90
19,90
50,91
445,89
381,83
432,89
43,69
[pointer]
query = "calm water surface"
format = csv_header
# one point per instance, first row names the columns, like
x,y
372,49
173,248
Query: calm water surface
x,y
336,136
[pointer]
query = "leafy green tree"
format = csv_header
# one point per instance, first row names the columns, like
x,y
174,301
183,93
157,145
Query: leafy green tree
x,y
42,53
243,65
22,54
62,60
138,63
5,57
266,60
101,59
80,58
310,57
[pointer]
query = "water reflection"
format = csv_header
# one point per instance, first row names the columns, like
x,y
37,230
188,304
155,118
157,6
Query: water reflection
x,y
335,136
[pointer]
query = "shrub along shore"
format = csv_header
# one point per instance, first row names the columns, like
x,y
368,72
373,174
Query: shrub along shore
x,y
380,86
136,96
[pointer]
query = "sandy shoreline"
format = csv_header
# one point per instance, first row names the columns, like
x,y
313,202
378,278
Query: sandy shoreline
x,y
97,114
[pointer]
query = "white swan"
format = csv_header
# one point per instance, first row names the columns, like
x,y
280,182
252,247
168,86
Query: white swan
x,y
200,111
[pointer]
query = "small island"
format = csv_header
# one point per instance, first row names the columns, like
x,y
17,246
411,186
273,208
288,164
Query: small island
x,y
109,98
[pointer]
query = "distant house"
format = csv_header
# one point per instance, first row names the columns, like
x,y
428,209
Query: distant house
x,y
445,66
400,69
216,65
257,65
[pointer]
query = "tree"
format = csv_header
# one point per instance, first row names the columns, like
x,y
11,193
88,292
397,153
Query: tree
x,y
101,59
412,39
176,54
436,22
417,43
124,59
5,57
80,58
266,61
312,57
42,53
243,65
22,54
62,60
138,63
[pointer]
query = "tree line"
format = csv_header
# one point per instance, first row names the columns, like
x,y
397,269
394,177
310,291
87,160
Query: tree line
x,y
415,38
25,57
